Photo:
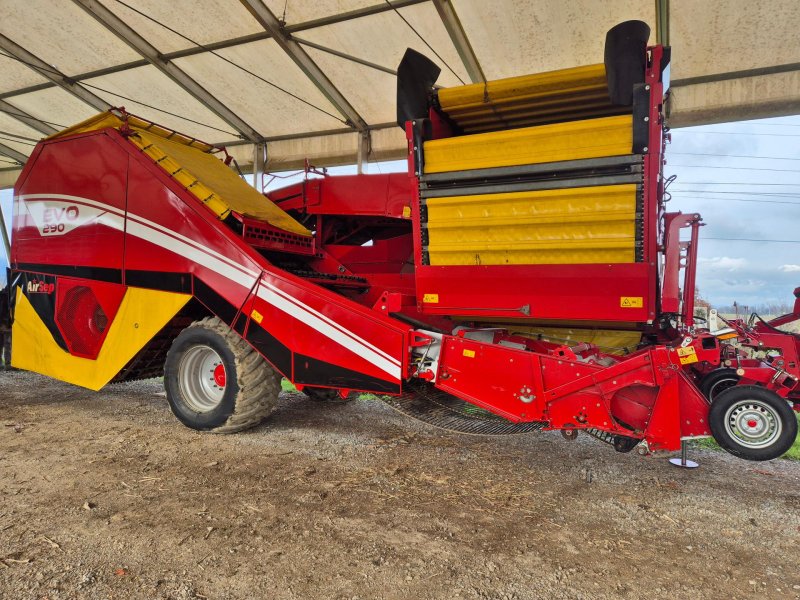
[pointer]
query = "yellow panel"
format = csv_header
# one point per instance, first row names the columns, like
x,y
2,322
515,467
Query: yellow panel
x,y
610,341
142,314
524,87
565,226
592,138
191,163
564,95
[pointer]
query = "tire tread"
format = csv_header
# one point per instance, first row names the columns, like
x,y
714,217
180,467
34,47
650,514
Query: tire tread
x,y
259,383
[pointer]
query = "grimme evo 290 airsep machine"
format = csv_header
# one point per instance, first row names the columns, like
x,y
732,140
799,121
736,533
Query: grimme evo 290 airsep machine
x,y
522,275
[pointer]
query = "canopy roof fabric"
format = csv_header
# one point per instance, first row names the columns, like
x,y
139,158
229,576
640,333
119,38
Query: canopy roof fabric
x,y
315,78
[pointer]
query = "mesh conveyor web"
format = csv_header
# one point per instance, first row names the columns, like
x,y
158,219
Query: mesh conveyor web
x,y
440,409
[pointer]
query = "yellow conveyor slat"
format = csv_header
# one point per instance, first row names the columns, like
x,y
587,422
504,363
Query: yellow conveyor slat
x,y
591,138
586,225
550,96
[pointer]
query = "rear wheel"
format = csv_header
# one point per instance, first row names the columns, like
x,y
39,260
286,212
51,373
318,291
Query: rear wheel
x,y
718,381
216,382
752,422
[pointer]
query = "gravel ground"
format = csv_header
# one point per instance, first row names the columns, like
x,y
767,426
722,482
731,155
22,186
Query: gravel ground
x,y
106,495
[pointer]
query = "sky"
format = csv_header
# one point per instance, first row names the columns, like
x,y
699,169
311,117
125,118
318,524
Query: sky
x,y
743,178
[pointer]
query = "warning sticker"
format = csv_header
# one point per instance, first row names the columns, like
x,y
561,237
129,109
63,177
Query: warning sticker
x,y
469,353
687,355
431,298
257,316
631,302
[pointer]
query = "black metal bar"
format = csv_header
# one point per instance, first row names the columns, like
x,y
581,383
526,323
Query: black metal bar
x,y
528,186
537,169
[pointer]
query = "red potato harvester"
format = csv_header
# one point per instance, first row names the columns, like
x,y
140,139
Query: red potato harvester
x,y
522,275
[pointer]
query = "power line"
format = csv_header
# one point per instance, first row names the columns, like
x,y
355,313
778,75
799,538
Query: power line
x,y
731,155
742,133
733,168
731,183
749,193
749,200
760,123
424,41
230,62
727,239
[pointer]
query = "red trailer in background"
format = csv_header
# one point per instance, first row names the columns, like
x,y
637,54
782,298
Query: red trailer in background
x,y
522,275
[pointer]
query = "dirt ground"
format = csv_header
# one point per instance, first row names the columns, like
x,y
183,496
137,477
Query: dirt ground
x,y
107,496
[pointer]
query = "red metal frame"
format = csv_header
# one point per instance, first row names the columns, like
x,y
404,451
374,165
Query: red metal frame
x,y
590,292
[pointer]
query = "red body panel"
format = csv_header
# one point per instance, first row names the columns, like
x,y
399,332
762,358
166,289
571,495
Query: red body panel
x,y
163,238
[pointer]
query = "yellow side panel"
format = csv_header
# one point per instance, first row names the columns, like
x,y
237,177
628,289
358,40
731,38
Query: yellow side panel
x,y
565,226
526,87
591,138
191,163
610,341
142,314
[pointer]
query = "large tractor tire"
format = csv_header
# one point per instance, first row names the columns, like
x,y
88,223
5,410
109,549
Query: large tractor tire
x,y
216,382
752,422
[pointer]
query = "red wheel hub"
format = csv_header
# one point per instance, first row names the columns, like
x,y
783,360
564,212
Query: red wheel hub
x,y
750,423
219,375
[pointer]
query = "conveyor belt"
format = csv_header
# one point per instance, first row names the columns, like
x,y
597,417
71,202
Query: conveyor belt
x,y
425,403
563,95
192,164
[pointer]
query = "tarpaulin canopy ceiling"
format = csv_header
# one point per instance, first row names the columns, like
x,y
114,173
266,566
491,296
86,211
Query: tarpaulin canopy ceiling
x,y
295,79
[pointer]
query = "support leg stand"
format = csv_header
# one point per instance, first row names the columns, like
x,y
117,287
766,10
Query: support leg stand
x,y
683,461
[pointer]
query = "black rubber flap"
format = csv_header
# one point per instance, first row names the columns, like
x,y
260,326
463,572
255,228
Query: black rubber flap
x,y
415,78
641,122
625,59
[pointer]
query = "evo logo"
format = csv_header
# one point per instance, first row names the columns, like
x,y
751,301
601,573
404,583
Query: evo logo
x,y
40,287
55,217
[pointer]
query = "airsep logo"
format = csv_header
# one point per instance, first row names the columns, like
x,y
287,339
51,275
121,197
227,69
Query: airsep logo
x,y
40,287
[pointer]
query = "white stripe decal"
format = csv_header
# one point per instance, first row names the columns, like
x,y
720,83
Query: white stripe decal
x,y
201,258
174,242
348,341
331,322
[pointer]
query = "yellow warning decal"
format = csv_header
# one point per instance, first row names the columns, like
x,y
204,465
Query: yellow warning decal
x,y
406,212
687,355
469,353
257,316
431,298
631,302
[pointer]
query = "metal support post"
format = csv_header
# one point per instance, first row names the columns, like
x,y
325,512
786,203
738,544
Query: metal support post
x,y
259,165
683,461
364,150
4,231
